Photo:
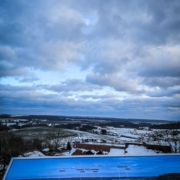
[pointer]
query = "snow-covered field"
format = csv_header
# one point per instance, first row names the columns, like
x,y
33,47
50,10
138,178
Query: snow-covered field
x,y
119,138
137,150
128,132
126,136
116,152
33,154
57,138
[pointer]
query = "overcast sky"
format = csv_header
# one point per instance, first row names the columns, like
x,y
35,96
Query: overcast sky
x,y
115,58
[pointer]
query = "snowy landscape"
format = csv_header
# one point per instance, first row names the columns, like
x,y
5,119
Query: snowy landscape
x,y
90,78
47,136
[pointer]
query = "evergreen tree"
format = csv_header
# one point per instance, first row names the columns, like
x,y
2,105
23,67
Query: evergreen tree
x,y
69,146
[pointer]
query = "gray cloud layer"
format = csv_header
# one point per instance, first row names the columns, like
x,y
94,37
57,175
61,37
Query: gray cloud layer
x,y
129,46
108,105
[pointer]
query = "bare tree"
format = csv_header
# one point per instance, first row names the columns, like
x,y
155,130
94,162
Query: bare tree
x,y
10,146
172,137
53,138
57,138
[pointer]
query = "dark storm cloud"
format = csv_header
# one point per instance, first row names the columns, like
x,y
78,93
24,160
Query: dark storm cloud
x,y
118,83
147,23
162,68
52,35
162,82
164,92
8,66
132,54
15,88
165,22
11,71
37,37
32,99
11,29
161,71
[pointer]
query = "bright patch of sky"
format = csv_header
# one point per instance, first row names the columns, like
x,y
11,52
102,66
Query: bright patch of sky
x,y
90,22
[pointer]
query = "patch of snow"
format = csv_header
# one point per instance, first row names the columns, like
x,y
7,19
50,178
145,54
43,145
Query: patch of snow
x,y
9,124
94,152
57,154
84,150
125,139
59,148
45,150
135,149
72,150
34,154
105,152
116,151
66,154
21,124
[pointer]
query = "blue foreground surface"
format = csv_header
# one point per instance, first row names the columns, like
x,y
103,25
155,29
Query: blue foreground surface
x,y
96,167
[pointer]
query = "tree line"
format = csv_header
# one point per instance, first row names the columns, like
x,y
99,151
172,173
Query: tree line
x,y
13,146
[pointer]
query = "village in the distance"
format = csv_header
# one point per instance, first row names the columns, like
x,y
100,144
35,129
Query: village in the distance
x,y
38,136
